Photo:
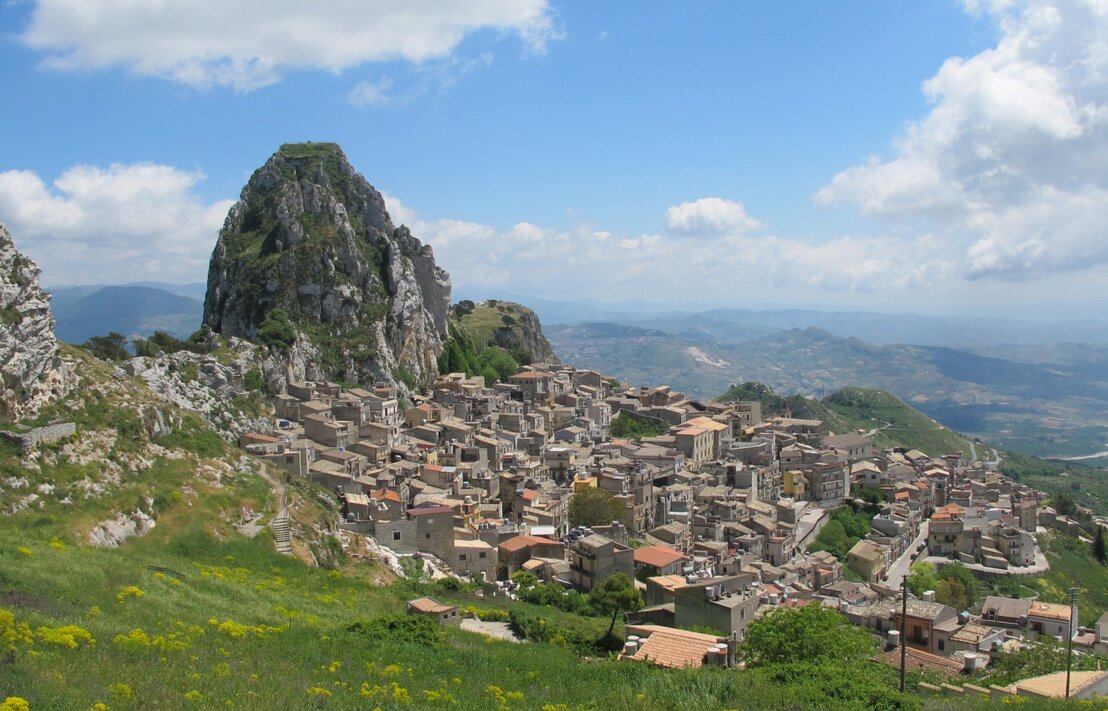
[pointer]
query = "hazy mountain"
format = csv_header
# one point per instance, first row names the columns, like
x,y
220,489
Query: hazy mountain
x,y
1041,408
85,311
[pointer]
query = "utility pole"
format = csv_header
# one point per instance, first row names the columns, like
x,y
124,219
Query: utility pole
x,y
1069,651
904,631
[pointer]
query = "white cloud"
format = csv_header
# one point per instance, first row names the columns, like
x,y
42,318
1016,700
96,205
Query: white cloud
x,y
369,93
111,225
726,266
246,44
710,215
1010,159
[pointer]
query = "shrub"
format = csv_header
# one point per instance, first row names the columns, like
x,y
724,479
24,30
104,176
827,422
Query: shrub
x,y
414,629
276,330
110,347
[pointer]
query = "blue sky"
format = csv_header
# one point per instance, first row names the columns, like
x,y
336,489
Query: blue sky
x,y
937,156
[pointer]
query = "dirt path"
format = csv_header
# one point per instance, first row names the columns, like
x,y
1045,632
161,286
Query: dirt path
x,y
280,523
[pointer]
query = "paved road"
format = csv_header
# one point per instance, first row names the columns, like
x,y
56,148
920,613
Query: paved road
x,y
899,568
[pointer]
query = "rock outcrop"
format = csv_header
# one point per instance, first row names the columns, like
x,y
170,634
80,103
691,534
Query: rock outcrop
x,y
31,369
507,325
310,247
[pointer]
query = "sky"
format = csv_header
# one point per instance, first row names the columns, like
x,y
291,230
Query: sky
x,y
938,157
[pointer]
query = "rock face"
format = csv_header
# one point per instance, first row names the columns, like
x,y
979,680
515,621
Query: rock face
x,y
511,326
31,370
312,238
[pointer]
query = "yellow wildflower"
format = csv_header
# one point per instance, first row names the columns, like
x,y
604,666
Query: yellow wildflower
x,y
193,695
129,591
69,636
14,703
57,543
122,691
25,551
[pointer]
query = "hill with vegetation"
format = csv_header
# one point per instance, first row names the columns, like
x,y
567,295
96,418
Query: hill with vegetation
x,y
137,571
507,325
892,422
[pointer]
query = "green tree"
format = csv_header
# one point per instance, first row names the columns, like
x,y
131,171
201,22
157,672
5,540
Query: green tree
x,y
922,577
277,330
1099,550
594,507
957,586
615,595
110,347
812,634
1044,656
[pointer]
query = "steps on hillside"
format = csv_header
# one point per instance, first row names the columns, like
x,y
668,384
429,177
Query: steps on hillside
x,y
281,535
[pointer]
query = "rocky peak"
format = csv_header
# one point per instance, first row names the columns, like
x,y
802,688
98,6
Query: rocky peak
x,y
31,370
310,247
507,325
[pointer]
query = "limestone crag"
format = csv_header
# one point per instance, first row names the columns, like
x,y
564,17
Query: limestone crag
x,y
312,238
31,369
203,384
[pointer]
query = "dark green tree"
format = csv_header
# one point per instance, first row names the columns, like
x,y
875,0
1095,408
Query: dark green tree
x,y
110,347
921,578
1099,550
957,586
810,634
594,507
277,330
615,595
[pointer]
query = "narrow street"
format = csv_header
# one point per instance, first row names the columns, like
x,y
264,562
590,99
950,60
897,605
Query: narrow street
x,y
900,567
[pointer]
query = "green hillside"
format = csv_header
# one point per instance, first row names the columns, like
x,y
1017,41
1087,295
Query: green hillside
x,y
894,423
897,424
201,612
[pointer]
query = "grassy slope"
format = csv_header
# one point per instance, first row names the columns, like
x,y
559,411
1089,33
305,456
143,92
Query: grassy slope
x,y
287,632
244,627
866,409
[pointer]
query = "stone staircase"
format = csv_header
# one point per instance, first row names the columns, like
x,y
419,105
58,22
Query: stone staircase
x,y
281,535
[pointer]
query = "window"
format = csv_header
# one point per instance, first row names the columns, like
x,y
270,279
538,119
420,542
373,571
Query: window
x,y
461,556
482,555
428,536
942,644
396,535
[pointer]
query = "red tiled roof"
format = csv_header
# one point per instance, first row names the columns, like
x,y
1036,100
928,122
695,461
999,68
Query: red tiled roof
x,y
658,556
386,495
919,659
674,648
520,542
430,510
429,605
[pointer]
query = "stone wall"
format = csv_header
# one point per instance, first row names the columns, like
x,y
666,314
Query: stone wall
x,y
50,433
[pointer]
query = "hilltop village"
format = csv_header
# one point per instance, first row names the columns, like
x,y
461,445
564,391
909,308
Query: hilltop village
x,y
715,507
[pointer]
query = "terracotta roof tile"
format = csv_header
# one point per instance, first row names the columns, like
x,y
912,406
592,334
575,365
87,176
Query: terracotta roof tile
x,y
675,648
658,556
919,659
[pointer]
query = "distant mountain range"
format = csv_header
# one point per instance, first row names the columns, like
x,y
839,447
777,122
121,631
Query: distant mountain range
x,y
1055,409
133,310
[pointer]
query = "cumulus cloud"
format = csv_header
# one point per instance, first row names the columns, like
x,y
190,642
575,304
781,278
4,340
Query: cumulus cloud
x,y
710,215
246,44
1011,156
117,224
530,258
371,93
